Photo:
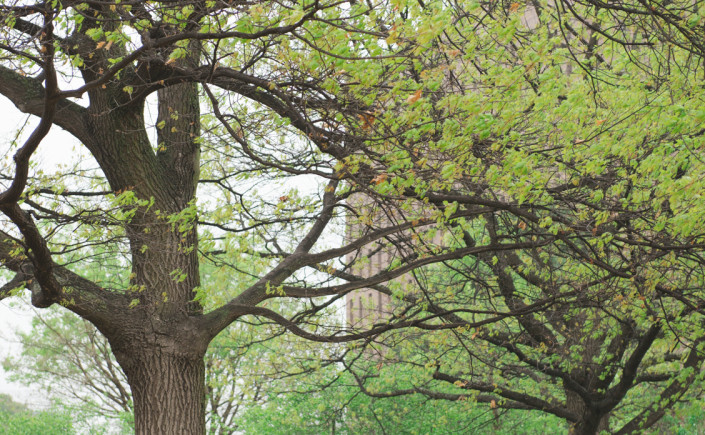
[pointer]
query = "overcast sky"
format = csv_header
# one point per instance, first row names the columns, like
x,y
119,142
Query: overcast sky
x,y
15,315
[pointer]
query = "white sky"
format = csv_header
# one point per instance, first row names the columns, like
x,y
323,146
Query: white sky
x,y
16,315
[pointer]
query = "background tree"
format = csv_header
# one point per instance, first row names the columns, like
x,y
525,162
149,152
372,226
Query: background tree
x,y
537,152
17,419
69,360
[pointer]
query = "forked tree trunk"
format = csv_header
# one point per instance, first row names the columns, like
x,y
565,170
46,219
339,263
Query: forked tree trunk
x,y
590,423
168,391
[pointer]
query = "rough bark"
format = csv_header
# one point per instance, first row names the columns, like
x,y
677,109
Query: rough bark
x,y
168,390
591,422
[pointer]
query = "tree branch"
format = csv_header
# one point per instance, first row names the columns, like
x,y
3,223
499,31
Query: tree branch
x,y
28,95
76,293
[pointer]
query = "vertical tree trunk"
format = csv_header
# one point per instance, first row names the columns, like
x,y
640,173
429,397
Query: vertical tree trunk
x,y
589,424
168,392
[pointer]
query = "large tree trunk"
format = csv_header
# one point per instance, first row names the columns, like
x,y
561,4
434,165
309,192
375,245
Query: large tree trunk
x,y
163,363
168,391
590,423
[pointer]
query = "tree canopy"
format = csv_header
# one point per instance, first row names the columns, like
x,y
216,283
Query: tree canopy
x,y
527,177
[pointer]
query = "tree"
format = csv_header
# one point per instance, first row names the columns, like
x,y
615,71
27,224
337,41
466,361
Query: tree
x,y
342,408
248,391
595,360
535,146
17,419
66,357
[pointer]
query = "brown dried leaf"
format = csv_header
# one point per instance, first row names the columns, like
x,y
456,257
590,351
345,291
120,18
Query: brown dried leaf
x,y
414,97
